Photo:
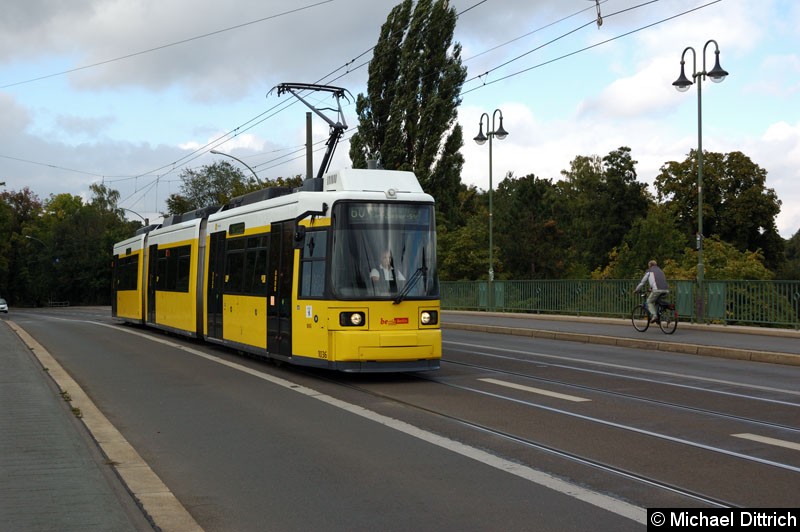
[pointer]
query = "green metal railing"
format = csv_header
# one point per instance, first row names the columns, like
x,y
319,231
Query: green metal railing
x,y
763,303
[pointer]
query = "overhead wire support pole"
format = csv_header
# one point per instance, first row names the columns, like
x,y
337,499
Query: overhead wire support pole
x,y
337,128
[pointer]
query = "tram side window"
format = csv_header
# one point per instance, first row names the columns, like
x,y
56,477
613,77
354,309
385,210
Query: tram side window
x,y
234,271
246,266
173,269
128,273
255,282
313,264
183,266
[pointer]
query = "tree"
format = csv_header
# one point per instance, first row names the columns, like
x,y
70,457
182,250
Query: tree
x,y
19,213
530,238
213,184
722,262
653,237
737,206
408,115
601,200
790,269
462,251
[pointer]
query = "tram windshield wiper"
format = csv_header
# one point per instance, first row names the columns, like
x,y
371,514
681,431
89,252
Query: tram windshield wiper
x,y
422,270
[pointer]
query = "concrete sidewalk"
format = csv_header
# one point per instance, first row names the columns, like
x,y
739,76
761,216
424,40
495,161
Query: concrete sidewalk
x,y
757,344
52,475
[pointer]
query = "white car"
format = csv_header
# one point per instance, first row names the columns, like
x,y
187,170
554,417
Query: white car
x,y
3,305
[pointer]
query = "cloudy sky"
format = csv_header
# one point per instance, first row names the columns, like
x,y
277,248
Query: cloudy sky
x,y
130,92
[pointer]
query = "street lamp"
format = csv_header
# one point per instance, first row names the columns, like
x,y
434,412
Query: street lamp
x,y
500,133
717,74
215,152
145,220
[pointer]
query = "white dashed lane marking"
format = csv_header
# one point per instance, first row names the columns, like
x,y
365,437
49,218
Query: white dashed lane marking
x,y
769,441
540,391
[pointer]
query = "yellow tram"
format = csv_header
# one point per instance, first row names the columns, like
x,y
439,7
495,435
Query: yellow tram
x,y
339,273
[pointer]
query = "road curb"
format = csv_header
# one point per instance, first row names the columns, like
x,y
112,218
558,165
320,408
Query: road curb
x,y
656,345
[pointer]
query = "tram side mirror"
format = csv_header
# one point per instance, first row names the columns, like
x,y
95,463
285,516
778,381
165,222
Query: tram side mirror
x,y
299,236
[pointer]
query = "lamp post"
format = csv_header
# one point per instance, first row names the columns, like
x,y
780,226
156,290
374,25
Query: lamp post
x,y
145,220
215,152
717,74
500,133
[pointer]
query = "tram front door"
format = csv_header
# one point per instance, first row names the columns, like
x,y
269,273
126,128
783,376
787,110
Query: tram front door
x,y
279,291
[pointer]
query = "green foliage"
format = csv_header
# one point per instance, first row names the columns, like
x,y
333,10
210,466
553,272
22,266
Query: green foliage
x,y
59,250
654,237
20,211
790,268
463,251
213,184
529,236
601,199
217,184
737,206
721,260
408,115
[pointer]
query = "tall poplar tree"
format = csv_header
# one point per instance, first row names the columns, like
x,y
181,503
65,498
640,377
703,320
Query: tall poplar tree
x,y
408,116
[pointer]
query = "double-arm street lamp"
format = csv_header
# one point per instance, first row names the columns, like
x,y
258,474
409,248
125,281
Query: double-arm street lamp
x,y
215,152
500,133
717,74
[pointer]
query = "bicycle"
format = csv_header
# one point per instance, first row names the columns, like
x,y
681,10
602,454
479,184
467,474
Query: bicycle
x,y
666,317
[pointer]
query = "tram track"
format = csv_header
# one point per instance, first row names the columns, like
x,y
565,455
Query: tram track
x,y
528,443
646,400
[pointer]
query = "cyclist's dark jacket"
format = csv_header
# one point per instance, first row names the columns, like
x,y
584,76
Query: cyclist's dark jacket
x,y
655,276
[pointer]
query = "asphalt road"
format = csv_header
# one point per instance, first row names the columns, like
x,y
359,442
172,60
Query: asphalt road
x,y
488,442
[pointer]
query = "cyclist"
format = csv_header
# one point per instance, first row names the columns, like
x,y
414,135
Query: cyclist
x,y
657,281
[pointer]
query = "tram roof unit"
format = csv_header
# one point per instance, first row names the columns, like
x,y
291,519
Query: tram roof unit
x,y
382,181
369,185
283,203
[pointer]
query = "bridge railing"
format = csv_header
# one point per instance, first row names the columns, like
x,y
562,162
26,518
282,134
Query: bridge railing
x,y
763,303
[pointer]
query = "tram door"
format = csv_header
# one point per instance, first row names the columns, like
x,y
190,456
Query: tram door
x,y
216,270
152,276
279,291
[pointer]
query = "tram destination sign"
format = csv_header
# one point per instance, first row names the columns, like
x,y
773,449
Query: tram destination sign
x,y
366,213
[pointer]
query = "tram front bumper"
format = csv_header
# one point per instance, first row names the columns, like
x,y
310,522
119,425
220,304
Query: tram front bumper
x,y
381,346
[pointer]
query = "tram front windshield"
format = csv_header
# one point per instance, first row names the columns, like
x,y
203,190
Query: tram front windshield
x,y
384,251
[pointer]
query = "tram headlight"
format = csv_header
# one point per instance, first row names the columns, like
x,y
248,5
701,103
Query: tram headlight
x,y
429,317
352,319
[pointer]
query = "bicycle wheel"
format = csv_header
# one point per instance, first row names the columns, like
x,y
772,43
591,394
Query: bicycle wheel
x,y
640,318
668,321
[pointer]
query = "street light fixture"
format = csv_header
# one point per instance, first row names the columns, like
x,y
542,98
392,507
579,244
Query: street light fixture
x,y
215,152
145,220
480,139
717,74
